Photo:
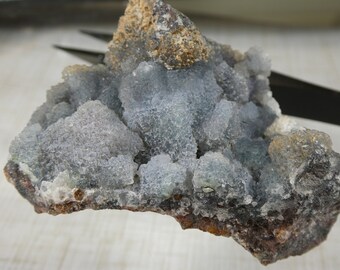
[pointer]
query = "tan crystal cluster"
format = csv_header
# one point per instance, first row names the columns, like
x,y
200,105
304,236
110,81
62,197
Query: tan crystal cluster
x,y
167,35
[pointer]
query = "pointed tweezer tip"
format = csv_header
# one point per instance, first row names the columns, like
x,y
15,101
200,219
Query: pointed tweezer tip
x,y
58,47
88,56
98,35
88,32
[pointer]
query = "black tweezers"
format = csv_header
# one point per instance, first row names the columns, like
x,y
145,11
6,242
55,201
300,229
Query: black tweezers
x,y
296,97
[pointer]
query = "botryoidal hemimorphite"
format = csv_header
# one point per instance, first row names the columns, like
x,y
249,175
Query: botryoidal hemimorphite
x,y
177,124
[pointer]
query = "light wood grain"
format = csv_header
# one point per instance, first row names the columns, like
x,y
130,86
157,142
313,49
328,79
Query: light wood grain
x,y
119,239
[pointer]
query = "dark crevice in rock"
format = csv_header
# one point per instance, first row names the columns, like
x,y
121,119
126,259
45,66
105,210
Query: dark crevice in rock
x,y
143,157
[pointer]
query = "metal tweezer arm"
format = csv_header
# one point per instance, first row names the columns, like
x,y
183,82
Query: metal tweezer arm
x,y
296,97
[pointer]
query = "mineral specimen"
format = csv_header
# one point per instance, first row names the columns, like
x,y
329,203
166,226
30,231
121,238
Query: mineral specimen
x,y
177,124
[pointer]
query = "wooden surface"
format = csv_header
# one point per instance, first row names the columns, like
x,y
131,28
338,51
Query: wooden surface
x,y
119,239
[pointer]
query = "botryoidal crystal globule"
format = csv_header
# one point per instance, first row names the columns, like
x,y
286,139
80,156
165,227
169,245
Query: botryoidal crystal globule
x,y
177,124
